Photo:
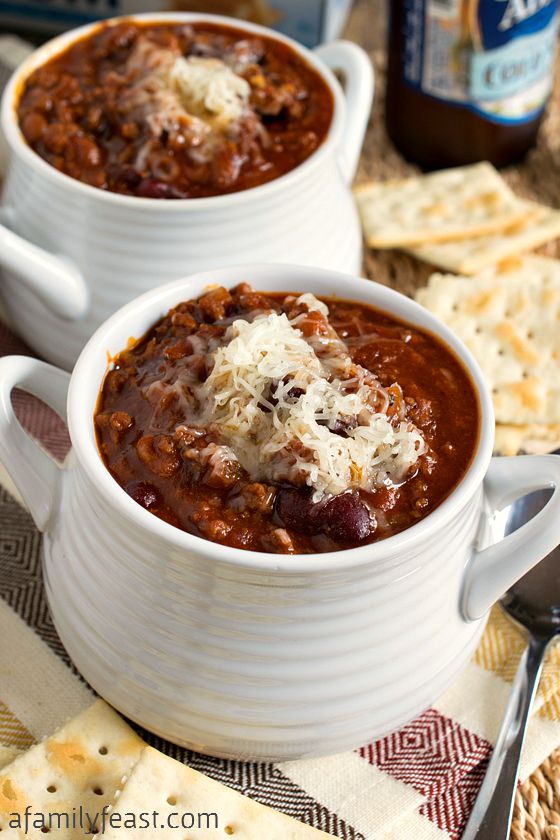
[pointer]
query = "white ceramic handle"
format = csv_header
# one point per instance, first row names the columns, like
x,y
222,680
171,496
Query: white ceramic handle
x,y
492,571
55,280
359,89
35,474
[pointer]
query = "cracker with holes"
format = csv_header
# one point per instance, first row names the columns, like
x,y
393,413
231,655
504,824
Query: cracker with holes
x,y
452,204
469,256
530,439
81,765
510,320
176,792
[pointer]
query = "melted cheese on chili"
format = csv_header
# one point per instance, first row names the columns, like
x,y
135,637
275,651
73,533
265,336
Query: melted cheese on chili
x,y
280,401
194,96
210,89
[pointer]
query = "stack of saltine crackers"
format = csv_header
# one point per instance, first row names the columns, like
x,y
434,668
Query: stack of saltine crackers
x,y
96,764
502,301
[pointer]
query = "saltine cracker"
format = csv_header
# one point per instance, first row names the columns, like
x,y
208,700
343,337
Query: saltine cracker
x,y
451,204
161,784
510,320
81,766
470,256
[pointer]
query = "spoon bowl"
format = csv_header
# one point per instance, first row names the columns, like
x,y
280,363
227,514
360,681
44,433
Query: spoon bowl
x,y
534,604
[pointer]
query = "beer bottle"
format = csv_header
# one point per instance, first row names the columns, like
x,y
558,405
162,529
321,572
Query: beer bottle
x,y
468,80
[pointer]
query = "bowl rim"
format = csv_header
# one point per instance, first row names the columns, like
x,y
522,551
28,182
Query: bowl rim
x,y
19,146
85,379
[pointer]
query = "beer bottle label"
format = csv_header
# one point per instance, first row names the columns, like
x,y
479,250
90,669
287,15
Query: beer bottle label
x,y
495,57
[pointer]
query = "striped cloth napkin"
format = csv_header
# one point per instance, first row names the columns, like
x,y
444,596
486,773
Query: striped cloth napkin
x,y
417,784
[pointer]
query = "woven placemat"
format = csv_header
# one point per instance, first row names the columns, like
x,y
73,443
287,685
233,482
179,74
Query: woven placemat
x,y
537,802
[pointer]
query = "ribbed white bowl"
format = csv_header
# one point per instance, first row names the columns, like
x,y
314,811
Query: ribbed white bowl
x,y
116,247
249,654
244,662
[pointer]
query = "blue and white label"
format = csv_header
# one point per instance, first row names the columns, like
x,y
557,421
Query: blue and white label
x,y
494,57
507,70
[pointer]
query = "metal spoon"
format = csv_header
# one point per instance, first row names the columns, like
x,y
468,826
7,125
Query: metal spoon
x,y
533,603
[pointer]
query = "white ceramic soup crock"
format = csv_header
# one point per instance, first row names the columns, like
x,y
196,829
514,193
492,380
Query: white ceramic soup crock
x,y
72,254
259,655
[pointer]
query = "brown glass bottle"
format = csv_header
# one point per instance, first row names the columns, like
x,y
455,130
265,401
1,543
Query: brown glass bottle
x,y
436,132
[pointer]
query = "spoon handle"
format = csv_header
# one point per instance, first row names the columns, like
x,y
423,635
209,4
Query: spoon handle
x,y
492,812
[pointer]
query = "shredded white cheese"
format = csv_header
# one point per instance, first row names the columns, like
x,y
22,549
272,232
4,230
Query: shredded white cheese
x,y
279,406
210,90
200,98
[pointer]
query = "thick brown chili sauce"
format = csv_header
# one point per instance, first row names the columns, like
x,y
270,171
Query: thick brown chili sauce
x,y
99,112
164,471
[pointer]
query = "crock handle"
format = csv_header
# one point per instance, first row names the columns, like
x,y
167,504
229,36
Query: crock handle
x,y
493,570
359,88
35,474
56,281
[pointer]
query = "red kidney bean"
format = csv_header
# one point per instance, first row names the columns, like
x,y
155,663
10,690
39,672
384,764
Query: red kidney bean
x,y
144,493
344,518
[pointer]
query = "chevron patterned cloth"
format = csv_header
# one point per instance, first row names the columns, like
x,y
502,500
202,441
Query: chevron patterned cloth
x,y
418,783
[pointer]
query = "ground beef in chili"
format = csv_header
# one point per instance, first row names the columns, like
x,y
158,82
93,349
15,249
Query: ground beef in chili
x,y
138,109
178,470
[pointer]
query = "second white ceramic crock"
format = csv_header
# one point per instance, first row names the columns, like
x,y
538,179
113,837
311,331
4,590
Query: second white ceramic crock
x,y
73,254
258,655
